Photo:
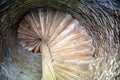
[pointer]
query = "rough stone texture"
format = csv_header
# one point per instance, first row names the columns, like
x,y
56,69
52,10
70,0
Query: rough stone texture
x,y
100,18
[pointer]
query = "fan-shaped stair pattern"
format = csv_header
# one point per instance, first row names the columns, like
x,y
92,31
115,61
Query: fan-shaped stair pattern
x,y
66,47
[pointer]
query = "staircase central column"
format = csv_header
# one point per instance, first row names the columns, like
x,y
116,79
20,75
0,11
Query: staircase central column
x,y
48,71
